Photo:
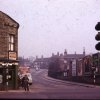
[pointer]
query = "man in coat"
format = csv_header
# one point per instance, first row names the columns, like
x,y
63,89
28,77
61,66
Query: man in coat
x,y
25,83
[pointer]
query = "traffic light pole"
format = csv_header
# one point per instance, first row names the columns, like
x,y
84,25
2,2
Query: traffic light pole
x,y
94,75
94,78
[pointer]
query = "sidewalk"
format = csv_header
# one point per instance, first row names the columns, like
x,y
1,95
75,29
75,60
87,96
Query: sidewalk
x,y
73,83
68,82
83,84
32,88
17,90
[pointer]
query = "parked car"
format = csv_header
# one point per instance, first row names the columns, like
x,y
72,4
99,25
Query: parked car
x,y
30,78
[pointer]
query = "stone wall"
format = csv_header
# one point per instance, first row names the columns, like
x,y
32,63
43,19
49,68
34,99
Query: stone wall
x,y
7,26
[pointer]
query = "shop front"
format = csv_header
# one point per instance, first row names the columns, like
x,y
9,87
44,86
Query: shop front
x,y
8,75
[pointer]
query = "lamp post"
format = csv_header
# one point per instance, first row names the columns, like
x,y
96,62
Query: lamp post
x,y
94,78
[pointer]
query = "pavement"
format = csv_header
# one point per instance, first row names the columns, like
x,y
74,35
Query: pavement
x,y
17,90
68,82
74,83
83,84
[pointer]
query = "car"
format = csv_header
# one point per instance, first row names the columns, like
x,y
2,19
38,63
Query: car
x,y
30,78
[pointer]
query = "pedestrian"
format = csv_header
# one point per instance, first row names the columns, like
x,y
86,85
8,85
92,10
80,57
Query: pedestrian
x,y
25,82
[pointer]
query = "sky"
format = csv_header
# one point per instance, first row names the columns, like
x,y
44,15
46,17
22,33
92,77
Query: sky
x,y
51,26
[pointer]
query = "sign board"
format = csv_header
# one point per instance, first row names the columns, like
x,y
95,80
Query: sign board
x,y
12,55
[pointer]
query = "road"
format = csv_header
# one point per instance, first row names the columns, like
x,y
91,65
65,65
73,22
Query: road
x,y
45,87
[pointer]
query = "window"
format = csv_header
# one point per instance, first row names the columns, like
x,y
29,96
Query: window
x,y
11,42
87,64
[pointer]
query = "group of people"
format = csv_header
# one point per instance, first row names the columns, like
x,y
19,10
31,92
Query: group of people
x,y
24,82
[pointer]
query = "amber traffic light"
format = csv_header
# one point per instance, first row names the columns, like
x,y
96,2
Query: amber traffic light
x,y
97,37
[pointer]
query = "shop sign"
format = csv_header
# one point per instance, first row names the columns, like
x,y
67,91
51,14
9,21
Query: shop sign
x,y
12,55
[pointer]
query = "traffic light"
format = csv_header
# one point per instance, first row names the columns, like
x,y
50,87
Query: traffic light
x,y
97,27
97,37
97,46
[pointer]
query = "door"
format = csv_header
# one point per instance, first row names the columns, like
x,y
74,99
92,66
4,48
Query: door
x,y
11,79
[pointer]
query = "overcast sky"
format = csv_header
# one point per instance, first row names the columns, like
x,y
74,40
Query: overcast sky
x,y
51,26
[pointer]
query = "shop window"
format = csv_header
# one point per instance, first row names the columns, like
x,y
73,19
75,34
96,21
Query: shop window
x,y
87,65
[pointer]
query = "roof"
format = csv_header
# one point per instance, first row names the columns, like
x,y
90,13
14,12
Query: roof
x,y
8,20
70,56
42,59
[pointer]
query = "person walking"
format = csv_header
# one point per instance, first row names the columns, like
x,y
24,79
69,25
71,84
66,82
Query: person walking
x,y
25,83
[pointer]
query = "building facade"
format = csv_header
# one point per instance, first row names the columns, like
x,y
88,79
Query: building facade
x,y
8,52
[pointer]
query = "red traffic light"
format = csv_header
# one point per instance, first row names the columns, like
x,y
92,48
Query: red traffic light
x,y
97,27
97,46
97,37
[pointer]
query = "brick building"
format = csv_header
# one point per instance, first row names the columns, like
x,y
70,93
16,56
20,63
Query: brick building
x,y
8,52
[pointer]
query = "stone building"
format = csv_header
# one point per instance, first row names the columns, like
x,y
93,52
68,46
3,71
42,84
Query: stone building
x,y
8,52
41,63
67,64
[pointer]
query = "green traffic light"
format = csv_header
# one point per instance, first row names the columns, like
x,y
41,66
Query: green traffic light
x,y
97,46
